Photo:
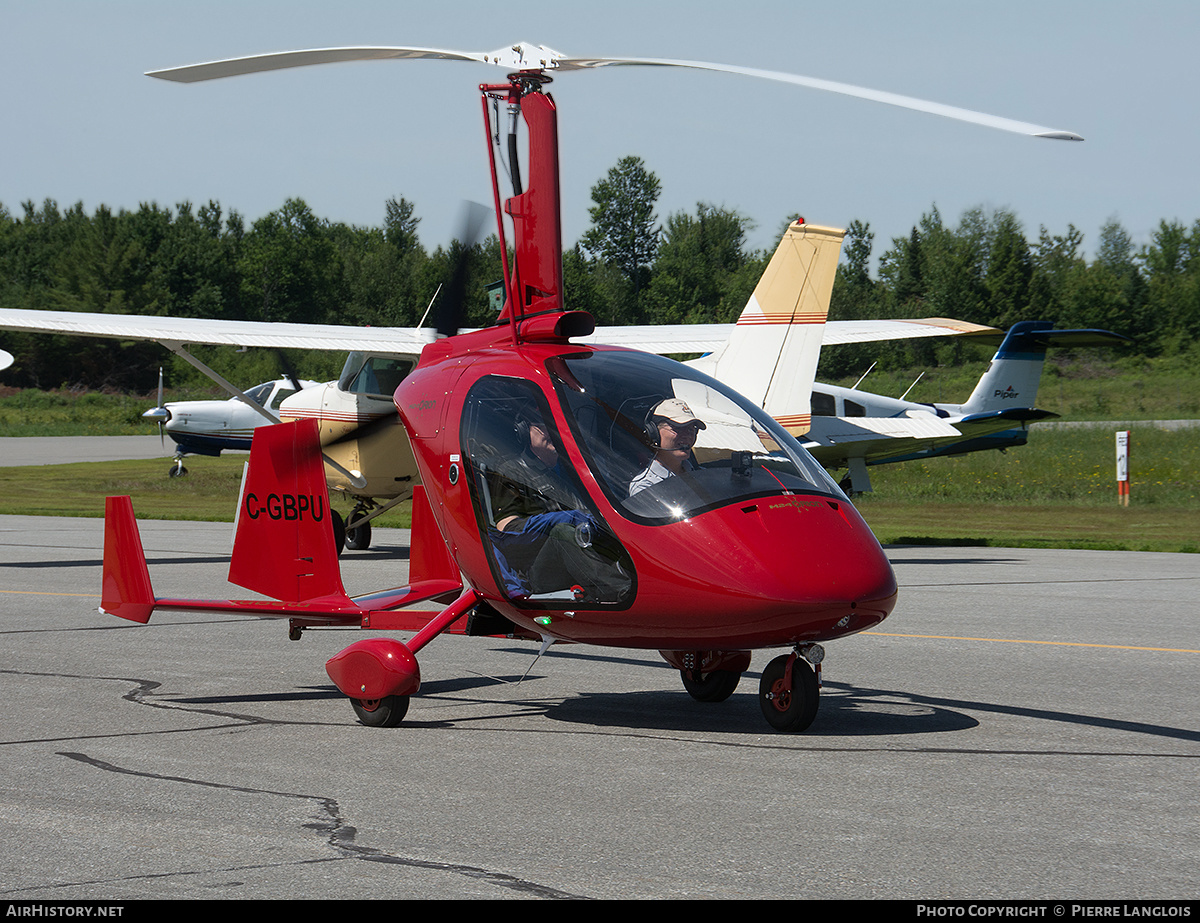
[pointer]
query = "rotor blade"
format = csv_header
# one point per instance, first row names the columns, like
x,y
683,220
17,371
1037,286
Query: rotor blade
x,y
831,86
288,370
253,64
524,56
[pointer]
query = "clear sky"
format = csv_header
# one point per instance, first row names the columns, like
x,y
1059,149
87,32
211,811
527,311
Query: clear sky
x,y
82,123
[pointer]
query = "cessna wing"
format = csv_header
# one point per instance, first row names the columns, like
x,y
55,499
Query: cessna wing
x,y
667,339
192,330
671,339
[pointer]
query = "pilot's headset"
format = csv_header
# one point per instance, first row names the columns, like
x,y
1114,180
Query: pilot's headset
x,y
526,417
653,438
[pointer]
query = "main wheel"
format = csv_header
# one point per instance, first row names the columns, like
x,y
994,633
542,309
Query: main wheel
x,y
789,709
359,537
339,530
716,686
387,712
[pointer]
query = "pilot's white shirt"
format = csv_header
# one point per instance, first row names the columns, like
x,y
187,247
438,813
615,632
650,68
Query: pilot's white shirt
x,y
654,473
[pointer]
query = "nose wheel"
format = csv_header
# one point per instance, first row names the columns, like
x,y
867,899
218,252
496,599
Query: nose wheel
x,y
789,693
387,712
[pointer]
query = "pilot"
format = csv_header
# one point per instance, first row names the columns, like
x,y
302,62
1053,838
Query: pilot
x,y
677,428
543,532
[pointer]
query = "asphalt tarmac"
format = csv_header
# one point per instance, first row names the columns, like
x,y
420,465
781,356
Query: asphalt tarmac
x,y
1024,726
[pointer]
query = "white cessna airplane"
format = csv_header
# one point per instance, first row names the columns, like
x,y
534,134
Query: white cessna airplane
x,y
208,427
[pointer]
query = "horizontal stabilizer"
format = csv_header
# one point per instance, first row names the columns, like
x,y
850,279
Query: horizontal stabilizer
x,y
1012,414
1041,339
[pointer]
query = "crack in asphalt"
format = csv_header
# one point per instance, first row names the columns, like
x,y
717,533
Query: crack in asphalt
x,y
336,832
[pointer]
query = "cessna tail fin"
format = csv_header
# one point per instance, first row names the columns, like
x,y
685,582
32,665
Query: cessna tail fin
x,y
771,355
285,547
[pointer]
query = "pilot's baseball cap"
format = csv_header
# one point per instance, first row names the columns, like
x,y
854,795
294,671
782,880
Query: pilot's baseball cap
x,y
677,411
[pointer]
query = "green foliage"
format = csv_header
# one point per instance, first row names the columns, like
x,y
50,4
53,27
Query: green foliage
x,y
703,274
294,266
625,231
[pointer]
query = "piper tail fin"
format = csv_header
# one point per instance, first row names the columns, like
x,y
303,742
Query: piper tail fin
x,y
771,355
126,589
285,547
1015,371
1012,378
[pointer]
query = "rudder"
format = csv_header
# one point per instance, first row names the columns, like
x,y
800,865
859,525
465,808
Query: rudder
x,y
771,355
284,547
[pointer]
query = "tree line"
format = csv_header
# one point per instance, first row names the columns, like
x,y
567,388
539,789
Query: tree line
x,y
694,267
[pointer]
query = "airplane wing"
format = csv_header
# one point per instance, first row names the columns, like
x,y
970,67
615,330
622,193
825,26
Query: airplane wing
x,y
834,440
664,339
404,340
703,338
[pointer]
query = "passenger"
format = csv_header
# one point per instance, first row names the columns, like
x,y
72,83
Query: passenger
x,y
677,428
542,531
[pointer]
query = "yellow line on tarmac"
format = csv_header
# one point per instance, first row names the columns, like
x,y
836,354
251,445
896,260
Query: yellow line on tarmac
x,y
1115,647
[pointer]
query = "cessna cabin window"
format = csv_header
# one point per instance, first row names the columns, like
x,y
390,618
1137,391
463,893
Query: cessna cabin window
x,y
281,395
374,375
738,454
855,409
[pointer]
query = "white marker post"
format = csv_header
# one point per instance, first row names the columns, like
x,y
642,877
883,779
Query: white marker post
x,y
1123,467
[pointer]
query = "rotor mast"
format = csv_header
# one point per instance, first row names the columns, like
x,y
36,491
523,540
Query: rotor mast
x,y
533,285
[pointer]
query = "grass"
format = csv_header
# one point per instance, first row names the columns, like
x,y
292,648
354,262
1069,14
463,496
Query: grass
x,y
1057,491
209,492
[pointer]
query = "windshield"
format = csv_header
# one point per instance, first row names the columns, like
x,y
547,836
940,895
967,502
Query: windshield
x,y
666,442
259,393
374,375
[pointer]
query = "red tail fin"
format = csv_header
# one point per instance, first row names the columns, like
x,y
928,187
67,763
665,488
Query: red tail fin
x,y
284,546
429,558
127,592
